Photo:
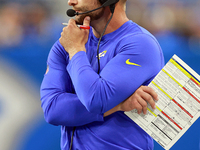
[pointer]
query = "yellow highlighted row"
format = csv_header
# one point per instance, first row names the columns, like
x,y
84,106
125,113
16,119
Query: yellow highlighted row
x,y
161,89
183,70
151,112
172,78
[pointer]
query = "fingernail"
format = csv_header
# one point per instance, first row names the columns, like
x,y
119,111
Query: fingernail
x,y
157,98
87,18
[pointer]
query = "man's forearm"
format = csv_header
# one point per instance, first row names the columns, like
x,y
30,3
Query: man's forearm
x,y
113,110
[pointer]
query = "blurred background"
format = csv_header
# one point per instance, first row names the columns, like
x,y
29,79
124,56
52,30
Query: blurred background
x,y
29,28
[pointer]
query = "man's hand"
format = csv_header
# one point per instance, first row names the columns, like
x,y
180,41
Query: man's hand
x,y
139,99
73,39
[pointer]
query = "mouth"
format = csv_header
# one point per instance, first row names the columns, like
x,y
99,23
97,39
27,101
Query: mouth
x,y
77,10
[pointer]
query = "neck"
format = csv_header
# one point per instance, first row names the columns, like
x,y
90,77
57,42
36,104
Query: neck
x,y
119,18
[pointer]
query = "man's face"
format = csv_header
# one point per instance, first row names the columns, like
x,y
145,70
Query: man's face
x,y
87,5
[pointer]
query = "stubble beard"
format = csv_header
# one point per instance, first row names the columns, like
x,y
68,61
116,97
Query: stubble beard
x,y
93,15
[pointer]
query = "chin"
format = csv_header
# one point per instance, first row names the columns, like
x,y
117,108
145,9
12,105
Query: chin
x,y
79,19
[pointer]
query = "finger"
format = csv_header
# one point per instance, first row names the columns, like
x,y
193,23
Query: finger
x,y
139,109
71,22
148,98
86,21
150,91
138,106
143,104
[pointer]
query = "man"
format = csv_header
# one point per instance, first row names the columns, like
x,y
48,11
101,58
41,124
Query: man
x,y
73,94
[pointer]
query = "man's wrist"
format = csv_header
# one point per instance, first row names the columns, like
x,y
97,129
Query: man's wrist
x,y
113,110
74,51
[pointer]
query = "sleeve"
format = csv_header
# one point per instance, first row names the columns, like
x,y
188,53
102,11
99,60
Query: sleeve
x,y
60,104
138,60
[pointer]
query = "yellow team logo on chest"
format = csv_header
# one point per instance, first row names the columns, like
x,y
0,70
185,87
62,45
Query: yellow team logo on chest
x,y
102,54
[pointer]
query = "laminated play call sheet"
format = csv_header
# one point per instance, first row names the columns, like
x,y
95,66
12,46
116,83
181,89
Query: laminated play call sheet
x,y
178,89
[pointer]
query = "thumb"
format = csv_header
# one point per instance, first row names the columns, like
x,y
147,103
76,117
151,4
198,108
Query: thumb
x,y
86,21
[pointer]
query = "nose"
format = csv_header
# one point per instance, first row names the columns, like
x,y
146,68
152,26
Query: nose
x,y
72,2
